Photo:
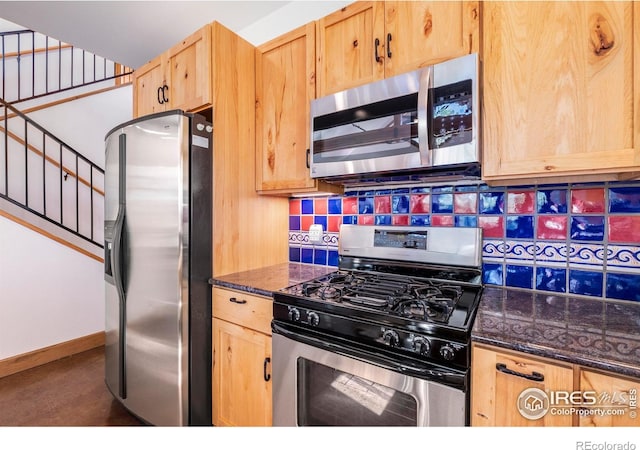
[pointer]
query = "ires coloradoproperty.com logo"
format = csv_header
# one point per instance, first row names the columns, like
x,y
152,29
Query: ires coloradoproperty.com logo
x,y
534,403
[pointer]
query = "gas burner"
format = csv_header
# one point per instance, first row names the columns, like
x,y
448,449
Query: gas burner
x,y
346,278
432,309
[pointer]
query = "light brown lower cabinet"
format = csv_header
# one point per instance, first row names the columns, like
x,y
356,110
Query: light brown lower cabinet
x,y
500,377
510,388
241,359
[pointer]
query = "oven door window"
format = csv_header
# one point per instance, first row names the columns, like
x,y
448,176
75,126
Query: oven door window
x,y
330,397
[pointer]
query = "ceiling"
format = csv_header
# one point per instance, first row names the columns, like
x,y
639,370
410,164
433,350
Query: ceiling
x,y
131,32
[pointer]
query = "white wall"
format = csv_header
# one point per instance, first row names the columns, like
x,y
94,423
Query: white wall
x,y
287,18
49,293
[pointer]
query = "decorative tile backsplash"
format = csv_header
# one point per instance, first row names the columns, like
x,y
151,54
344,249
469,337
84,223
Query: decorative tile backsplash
x,y
582,239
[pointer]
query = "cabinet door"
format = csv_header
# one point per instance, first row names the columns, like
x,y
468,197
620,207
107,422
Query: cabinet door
x,y
189,72
559,89
147,80
346,47
498,382
241,358
614,393
285,86
422,33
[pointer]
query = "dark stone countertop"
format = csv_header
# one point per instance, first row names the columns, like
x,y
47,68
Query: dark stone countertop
x,y
590,332
266,280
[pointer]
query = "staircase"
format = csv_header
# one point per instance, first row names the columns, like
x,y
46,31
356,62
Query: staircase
x,y
45,184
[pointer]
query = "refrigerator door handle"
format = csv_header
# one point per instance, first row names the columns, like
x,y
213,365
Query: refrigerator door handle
x,y
118,252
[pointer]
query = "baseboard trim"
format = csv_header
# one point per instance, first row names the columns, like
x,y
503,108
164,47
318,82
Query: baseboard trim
x,y
36,358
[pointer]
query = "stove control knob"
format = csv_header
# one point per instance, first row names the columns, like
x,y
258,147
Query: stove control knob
x,y
294,314
391,338
313,319
448,352
421,345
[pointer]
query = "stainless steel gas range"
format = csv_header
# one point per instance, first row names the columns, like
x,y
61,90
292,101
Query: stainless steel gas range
x,y
384,340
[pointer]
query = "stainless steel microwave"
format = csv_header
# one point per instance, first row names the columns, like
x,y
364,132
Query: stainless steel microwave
x,y
412,126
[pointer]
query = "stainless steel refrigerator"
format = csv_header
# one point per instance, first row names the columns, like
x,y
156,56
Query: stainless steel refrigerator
x,y
158,235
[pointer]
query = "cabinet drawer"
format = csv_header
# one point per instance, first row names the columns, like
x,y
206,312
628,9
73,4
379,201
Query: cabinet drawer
x,y
247,310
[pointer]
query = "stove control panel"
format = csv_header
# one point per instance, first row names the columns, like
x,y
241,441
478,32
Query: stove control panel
x,y
394,339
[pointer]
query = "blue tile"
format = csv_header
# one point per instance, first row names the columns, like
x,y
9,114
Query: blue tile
x,y
492,274
625,199
351,193
466,188
307,206
383,220
334,258
585,283
466,221
400,204
365,205
321,220
587,228
294,223
366,193
320,256
421,221
623,286
350,220
383,192
551,279
442,203
520,227
519,276
334,205
307,255
491,202
441,189
553,201
294,254
420,190
401,191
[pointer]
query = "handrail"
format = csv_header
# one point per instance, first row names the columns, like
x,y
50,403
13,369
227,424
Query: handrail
x,y
45,159
45,64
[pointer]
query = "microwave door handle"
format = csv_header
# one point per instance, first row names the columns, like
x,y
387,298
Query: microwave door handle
x,y
423,125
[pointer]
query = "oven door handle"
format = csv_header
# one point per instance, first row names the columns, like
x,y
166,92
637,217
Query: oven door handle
x,y
425,370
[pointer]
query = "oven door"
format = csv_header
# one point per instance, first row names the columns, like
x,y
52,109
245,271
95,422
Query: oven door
x,y
322,383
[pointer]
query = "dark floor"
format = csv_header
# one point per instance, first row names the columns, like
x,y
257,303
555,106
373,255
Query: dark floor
x,y
67,392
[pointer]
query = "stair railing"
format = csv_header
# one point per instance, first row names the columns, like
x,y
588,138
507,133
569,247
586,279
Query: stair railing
x,y
43,175
34,65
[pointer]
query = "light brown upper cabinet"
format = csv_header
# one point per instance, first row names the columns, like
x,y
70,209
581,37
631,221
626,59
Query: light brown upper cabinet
x,y
561,91
367,41
285,86
180,78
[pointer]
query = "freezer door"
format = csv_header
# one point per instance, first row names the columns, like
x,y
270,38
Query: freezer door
x,y
155,268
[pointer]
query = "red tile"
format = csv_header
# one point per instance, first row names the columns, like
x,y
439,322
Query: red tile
x,y
465,203
294,206
419,203
442,221
521,202
552,227
334,223
350,205
306,222
400,220
624,229
382,204
320,206
492,226
365,220
587,200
